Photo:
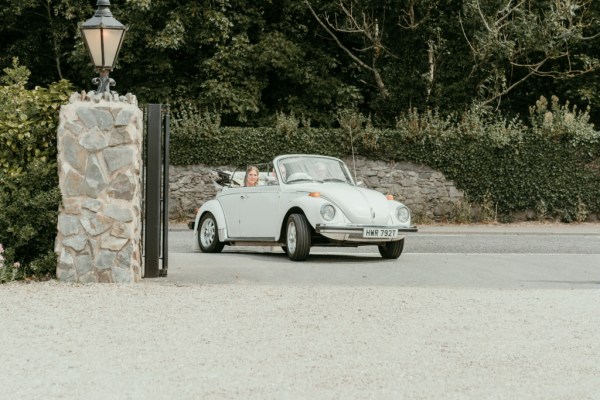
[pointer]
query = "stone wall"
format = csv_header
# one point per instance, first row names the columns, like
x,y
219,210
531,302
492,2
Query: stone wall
x,y
99,163
425,191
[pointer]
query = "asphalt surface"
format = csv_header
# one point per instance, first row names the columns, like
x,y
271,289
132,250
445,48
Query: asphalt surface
x,y
533,238
474,256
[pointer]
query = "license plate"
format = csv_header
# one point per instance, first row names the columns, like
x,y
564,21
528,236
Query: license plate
x,y
379,233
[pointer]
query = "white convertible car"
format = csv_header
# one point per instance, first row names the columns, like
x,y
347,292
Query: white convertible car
x,y
300,201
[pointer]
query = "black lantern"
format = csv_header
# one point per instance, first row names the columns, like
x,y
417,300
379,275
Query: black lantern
x,y
103,36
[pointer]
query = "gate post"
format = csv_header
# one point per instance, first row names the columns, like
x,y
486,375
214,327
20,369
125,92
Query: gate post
x,y
152,195
99,162
156,210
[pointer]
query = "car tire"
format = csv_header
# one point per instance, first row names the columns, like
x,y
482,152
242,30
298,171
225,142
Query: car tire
x,y
391,250
297,237
208,235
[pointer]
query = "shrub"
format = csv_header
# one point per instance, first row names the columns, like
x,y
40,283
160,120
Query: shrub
x,y
28,215
28,119
29,193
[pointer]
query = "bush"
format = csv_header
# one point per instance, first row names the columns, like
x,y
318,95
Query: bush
x,y
29,193
28,119
28,214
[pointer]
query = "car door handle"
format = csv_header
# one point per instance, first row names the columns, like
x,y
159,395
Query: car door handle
x,y
244,196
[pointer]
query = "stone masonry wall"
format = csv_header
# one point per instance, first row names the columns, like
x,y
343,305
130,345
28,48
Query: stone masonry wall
x,y
99,162
424,190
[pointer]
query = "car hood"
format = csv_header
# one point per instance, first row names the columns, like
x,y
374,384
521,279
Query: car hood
x,y
360,205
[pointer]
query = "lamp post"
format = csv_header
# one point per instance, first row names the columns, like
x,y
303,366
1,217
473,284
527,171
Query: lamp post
x,y
103,36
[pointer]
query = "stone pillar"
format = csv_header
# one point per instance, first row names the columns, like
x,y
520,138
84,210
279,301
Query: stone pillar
x,y
99,164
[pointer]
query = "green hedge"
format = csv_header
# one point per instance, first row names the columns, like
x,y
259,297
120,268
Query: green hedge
x,y
240,146
551,164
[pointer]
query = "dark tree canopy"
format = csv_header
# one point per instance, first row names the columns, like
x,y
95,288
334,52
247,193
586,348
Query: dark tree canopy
x,y
249,59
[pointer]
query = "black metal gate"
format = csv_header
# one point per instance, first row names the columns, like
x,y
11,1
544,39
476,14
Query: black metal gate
x,y
155,221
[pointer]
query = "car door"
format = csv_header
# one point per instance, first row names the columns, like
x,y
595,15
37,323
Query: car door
x,y
259,212
230,200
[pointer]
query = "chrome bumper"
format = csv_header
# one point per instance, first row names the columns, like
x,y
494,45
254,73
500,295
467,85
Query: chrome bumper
x,y
355,232
359,228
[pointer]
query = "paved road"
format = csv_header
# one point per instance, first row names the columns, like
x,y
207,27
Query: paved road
x,y
511,256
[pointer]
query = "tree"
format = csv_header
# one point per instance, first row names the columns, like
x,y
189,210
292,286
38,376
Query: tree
x,y
247,60
40,33
513,41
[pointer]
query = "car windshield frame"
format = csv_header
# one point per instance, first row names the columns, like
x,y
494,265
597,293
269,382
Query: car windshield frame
x,y
295,169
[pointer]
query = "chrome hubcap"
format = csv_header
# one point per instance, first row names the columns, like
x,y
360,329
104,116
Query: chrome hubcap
x,y
207,233
291,237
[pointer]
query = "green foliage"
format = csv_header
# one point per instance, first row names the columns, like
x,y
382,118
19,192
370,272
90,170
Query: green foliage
x,y
551,166
239,146
189,119
287,124
248,60
28,217
43,34
543,39
29,194
28,120
235,87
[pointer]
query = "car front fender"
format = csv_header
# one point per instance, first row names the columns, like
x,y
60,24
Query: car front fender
x,y
311,207
213,207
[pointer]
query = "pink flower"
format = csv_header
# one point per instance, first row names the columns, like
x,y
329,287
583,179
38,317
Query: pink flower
x,y
17,265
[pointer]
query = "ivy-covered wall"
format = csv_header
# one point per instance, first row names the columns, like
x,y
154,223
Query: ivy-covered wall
x,y
550,165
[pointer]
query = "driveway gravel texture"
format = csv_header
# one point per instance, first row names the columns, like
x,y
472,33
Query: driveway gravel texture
x,y
158,340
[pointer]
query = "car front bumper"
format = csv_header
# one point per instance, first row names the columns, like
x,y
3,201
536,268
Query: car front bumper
x,y
354,233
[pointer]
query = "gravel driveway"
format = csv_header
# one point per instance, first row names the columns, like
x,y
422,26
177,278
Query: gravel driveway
x,y
158,340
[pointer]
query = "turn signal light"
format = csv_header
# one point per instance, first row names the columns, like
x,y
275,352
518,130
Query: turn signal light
x,y
315,194
389,197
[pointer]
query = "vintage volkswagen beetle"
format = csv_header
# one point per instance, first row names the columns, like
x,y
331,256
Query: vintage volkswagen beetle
x,y
301,201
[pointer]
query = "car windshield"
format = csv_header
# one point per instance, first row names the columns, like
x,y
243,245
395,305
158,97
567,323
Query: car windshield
x,y
313,169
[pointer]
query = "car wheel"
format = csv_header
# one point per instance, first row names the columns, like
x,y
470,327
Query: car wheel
x,y
208,236
297,237
391,250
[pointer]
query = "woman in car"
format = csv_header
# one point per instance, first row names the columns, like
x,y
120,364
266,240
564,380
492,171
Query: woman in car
x,y
251,178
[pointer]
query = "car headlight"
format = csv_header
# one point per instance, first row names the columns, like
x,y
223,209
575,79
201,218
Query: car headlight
x,y
327,212
402,214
